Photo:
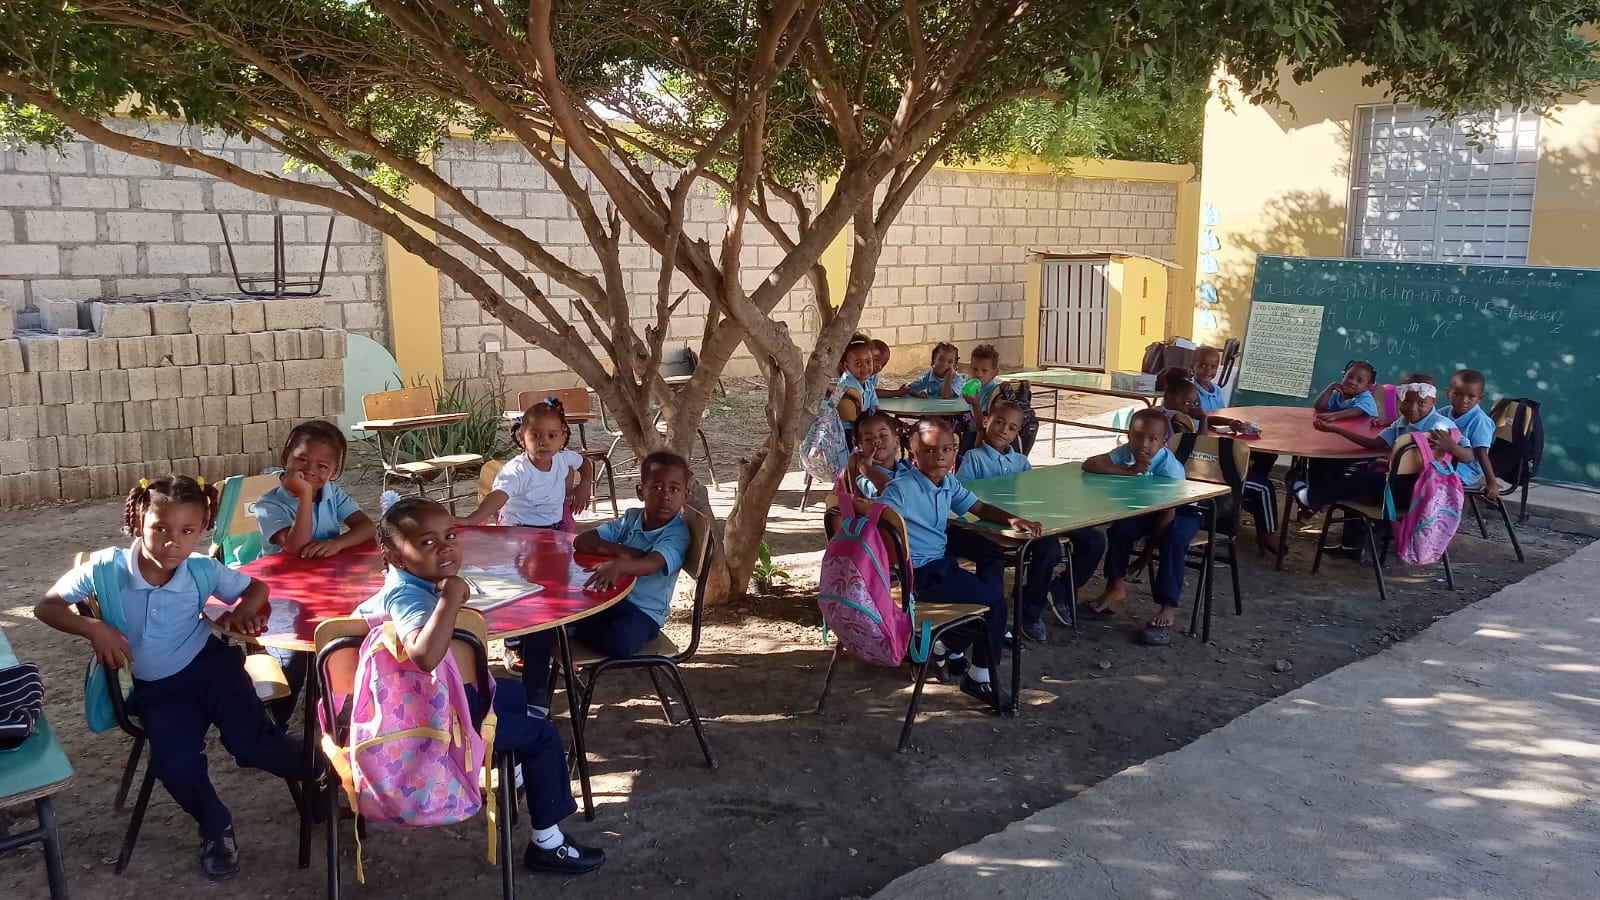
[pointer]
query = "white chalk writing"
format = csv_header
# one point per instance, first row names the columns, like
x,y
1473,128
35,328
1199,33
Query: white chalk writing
x,y
1280,348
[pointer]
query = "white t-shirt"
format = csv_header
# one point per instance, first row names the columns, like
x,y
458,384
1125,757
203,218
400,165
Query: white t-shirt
x,y
535,497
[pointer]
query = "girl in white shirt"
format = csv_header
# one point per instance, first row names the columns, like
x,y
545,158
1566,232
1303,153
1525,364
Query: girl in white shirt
x,y
532,488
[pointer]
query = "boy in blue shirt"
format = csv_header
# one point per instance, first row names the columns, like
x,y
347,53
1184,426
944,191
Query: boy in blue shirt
x,y
925,494
995,457
876,457
986,371
1145,455
1477,431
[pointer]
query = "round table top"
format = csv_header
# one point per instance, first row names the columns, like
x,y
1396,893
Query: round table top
x,y
923,406
305,592
1288,430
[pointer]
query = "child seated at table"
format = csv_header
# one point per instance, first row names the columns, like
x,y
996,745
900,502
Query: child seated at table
x,y
422,595
1415,395
994,457
876,456
1351,396
531,489
925,494
855,377
942,381
880,361
1145,455
1260,496
185,679
986,369
1477,431
1180,402
648,544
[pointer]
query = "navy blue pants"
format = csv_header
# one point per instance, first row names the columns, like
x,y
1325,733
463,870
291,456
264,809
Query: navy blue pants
x,y
1088,546
944,581
621,630
1363,484
178,710
536,745
296,666
1123,534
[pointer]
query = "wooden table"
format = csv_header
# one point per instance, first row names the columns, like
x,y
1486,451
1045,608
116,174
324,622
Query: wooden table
x,y
1287,430
1064,498
1074,381
918,407
33,772
395,430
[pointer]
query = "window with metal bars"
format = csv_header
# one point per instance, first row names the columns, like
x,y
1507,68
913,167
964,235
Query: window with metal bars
x,y
1421,190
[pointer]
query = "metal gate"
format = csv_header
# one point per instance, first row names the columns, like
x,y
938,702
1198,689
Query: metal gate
x,y
1072,312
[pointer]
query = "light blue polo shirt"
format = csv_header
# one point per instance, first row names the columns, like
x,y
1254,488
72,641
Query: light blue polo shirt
x,y
925,506
986,394
651,593
865,487
1477,431
405,598
1162,465
868,391
984,461
1211,399
933,385
1363,401
276,508
1433,421
166,626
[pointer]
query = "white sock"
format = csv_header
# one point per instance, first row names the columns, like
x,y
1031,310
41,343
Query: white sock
x,y
940,648
548,838
980,674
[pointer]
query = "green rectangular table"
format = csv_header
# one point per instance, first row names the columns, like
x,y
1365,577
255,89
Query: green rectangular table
x,y
1058,380
1064,498
34,771
917,407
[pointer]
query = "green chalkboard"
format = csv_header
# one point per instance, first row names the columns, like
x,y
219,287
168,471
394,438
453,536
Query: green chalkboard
x,y
1532,332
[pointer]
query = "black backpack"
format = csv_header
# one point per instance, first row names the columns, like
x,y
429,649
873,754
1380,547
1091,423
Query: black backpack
x,y
1517,460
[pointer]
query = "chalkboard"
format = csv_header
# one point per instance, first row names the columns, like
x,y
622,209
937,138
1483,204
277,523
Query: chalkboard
x,y
1532,331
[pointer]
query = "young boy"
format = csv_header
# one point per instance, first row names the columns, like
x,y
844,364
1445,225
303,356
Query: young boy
x,y
925,494
1477,430
986,370
1145,455
942,381
993,457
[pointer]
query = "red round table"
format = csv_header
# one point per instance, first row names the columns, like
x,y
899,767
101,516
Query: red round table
x,y
1288,430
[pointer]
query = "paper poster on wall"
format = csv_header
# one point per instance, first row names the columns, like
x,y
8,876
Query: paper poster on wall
x,y
1280,348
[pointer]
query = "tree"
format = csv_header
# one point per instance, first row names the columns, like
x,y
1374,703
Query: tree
x,y
644,100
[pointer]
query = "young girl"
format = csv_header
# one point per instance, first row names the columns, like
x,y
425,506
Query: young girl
x,y
185,680
855,376
301,516
422,594
876,457
1351,396
532,488
1260,497
880,362
942,381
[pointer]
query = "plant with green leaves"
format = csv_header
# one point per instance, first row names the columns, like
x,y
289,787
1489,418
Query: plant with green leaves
x,y
766,571
635,107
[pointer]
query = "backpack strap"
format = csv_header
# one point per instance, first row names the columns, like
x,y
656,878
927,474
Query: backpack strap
x,y
1185,446
204,575
108,585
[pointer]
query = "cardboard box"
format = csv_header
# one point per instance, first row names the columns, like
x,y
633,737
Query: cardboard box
x,y
1143,382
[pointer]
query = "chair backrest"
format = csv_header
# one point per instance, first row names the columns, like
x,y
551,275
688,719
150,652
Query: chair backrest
x,y
486,476
697,564
251,488
402,404
892,527
1401,463
574,401
120,686
236,539
1205,458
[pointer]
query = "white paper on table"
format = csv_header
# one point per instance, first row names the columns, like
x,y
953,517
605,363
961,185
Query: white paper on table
x,y
495,586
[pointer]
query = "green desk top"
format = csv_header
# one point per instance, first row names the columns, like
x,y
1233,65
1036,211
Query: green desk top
x,y
1062,498
36,769
1073,380
923,406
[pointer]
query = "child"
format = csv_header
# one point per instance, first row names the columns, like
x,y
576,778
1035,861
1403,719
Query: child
x,y
423,594
942,381
1415,397
647,543
1146,456
986,369
1477,431
880,361
301,516
925,494
1207,362
1351,396
876,457
855,376
1260,496
185,680
531,489
993,457
1180,402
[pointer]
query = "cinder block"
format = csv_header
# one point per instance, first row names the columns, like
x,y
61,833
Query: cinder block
x,y
130,448
103,480
272,376
295,312
219,380
215,467
211,317
246,379
333,401
230,440
42,453
205,441
108,417
25,389
141,384
80,420
193,380
102,449
59,314
115,387
72,354
140,415
56,387
5,425
214,348
8,318
254,436
239,410
22,423
169,384
263,348
311,403
103,353
334,344
74,452
18,490
214,409
41,354
249,315
263,406
85,387
288,404
302,373
236,348
170,317
14,458
133,353
185,349
11,361
5,391
157,443
288,345
75,484
191,412
120,320
128,475
52,420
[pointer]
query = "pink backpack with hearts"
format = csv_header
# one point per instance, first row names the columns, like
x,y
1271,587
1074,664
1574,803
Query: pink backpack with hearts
x,y
855,595
1423,535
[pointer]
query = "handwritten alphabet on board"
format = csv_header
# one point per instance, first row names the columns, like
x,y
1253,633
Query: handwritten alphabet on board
x,y
1280,348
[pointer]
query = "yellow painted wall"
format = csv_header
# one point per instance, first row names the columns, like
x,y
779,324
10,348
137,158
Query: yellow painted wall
x,y
1136,311
413,290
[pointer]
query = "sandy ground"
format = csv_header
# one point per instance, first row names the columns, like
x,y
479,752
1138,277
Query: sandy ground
x,y
804,805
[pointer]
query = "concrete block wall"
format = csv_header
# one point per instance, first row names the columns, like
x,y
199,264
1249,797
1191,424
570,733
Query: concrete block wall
x,y
207,388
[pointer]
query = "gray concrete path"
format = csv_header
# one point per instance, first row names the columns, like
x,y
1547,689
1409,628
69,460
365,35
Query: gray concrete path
x,y
1462,764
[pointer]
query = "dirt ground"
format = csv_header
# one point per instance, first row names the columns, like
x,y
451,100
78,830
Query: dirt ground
x,y
803,805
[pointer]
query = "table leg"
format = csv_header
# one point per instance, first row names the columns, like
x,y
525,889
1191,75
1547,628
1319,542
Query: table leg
x,y
54,869
578,714
1017,584
1295,465
1207,569
308,768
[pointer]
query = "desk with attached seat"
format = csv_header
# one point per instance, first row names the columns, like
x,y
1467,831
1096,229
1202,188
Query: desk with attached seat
x,y
33,772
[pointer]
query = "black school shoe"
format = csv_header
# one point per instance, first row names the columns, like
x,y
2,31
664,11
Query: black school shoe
x,y
984,691
949,671
219,858
571,858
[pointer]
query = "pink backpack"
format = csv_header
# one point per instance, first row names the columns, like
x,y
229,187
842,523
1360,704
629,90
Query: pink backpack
x,y
854,592
413,758
1424,534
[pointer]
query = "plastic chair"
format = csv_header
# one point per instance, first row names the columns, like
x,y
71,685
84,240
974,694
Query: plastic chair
x,y
405,404
236,539
338,651
939,617
575,402
1217,460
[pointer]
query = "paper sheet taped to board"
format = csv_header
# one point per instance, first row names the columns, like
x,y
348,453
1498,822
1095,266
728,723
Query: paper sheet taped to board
x,y
1280,348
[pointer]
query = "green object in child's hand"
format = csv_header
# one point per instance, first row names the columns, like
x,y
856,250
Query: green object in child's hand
x,y
970,389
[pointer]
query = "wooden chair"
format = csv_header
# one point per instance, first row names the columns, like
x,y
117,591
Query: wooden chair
x,y
409,403
236,539
1380,536
575,402
940,617
338,650
265,675
486,477
1217,460
660,655
1505,423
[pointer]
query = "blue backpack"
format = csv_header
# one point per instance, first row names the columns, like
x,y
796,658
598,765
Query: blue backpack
x,y
97,704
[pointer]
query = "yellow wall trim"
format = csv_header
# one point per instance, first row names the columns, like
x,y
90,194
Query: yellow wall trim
x,y
413,290
1081,167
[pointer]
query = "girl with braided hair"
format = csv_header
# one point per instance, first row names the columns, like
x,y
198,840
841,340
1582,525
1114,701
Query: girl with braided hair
x,y
185,679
